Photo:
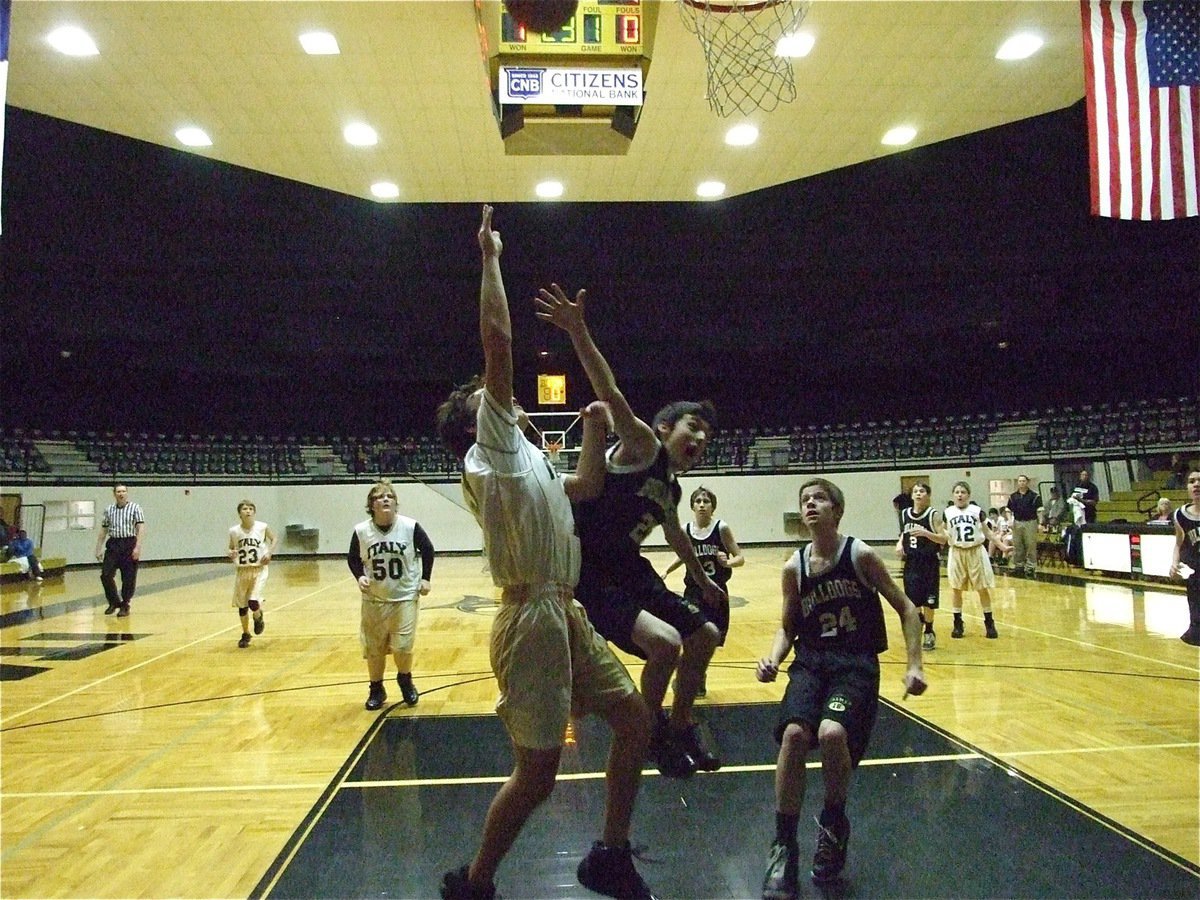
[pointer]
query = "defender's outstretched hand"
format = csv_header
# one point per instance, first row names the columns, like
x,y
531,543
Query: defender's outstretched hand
x,y
489,241
557,308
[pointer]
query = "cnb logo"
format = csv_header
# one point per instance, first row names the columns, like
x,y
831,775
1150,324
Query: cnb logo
x,y
524,82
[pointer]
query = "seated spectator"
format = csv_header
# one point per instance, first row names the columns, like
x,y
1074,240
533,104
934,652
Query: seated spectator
x,y
1177,480
20,550
1162,513
1054,512
1001,523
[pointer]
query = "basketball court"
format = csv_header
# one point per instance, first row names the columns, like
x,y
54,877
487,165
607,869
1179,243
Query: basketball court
x,y
150,756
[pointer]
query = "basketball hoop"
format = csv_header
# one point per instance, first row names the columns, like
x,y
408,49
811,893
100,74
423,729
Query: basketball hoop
x,y
553,449
739,39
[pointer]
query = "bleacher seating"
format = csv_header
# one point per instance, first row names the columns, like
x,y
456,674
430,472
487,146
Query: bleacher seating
x,y
1130,428
18,455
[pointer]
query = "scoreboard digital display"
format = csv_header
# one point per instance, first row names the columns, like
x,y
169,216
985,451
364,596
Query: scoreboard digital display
x,y
601,27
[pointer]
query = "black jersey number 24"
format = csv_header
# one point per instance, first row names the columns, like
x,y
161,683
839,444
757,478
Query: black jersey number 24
x,y
843,621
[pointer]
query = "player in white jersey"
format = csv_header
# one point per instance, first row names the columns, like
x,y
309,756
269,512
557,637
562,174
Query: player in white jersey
x,y
548,660
251,544
965,529
391,558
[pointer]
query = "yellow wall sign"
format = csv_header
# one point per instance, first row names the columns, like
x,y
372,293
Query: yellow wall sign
x,y
552,390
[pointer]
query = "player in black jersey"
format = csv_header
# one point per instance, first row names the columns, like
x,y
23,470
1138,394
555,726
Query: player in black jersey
x,y
1185,560
719,554
625,598
833,618
920,537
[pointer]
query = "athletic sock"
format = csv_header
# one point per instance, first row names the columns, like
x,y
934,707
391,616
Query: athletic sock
x,y
786,827
987,615
929,628
957,618
833,815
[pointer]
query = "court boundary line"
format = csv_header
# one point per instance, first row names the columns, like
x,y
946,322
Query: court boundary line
x,y
146,662
993,759
583,776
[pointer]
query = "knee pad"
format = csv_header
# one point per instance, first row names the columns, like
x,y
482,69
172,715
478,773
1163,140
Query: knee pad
x,y
254,605
241,611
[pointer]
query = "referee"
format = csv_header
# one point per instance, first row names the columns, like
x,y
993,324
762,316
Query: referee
x,y
120,546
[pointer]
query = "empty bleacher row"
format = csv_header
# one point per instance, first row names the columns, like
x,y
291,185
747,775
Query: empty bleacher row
x,y
1146,424
420,454
193,455
1132,429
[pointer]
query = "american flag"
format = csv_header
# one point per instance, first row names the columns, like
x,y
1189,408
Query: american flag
x,y
1142,73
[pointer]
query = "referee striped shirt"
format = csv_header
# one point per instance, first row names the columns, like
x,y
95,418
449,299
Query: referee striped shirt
x,y
122,521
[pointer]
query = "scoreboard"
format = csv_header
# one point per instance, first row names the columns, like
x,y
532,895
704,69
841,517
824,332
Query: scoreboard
x,y
600,27
551,91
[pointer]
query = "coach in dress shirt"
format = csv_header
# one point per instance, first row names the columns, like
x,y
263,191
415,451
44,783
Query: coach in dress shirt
x,y
120,546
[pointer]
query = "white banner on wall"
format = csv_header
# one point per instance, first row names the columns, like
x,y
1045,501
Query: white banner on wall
x,y
554,86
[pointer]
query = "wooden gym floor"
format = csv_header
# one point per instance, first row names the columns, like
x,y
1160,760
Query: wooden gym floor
x,y
150,757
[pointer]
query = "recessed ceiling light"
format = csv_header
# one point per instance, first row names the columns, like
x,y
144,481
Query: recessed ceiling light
x,y
741,135
900,135
193,137
795,45
319,43
1020,46
72,41
360,135
385,190
548,190
710,189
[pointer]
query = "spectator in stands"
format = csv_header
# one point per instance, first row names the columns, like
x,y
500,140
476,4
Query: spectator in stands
x,y
1001,549
1053,514
1087,494
120,547
20,549
1072,538
900,503
1177,480
1025,505
1185,559
1163,513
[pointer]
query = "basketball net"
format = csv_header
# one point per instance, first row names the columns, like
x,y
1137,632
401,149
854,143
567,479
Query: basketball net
x,y
739,38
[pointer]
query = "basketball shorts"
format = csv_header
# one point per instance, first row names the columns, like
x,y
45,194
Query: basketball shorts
x,y
248,585
550,664
969,568
841,687
922,580
718,614
614,605
388,626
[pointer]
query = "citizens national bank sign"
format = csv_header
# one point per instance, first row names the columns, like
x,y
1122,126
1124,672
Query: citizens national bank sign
x,y
555,86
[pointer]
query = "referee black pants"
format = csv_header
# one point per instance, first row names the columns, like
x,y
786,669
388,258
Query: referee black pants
x,y
118,554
